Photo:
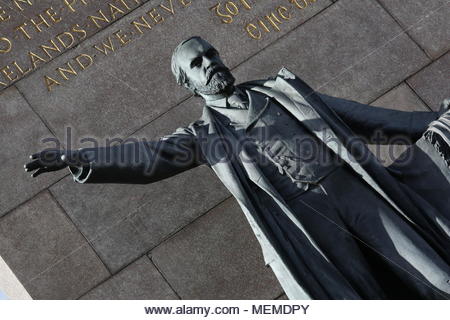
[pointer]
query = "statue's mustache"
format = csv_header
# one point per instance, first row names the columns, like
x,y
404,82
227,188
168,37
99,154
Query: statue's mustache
x,y
213,71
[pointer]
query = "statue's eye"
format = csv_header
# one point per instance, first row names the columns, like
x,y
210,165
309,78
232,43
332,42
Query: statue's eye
x,y
196,62
211,53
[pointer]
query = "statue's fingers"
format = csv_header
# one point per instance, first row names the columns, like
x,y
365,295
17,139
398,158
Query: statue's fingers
x,y
35,155
33,165
38,172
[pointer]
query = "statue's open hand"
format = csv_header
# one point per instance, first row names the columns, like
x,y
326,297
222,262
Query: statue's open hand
x,y
445,106
46,161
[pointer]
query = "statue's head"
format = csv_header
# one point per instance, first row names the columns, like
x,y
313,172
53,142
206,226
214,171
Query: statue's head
x,y
197,66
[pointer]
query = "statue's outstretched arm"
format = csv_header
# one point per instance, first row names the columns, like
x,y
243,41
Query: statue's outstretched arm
x,y
138,162
365,120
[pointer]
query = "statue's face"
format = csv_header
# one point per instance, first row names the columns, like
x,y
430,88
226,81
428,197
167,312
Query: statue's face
x,y
203,67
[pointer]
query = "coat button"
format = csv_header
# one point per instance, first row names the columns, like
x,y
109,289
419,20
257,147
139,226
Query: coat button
x,y
278,114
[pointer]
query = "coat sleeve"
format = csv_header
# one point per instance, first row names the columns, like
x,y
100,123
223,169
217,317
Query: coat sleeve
x,y
366,120
142,161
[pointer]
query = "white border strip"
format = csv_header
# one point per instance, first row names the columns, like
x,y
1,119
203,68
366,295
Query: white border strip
x,y
10,286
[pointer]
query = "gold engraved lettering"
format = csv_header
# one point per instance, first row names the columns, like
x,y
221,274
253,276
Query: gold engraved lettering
x,y
186,2
253,31
34,59
273,19
52,14
225,18
284,13
6,47
124,4
155,16
37,24
76,28
144,24
66,35
50,82
19,6
3,15
7,72
102,18
21,28
232,8
88,61
45,48
262,24
20,69
70,4
64,71
245,4
106,47
114,11
122,37
170,8
301,4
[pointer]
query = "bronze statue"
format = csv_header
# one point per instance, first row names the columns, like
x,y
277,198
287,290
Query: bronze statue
x,y
333,223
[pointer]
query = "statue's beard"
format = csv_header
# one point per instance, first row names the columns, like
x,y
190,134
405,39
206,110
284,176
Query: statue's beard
x,y
219,82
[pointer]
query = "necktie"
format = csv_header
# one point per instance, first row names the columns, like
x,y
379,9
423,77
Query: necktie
x,y
238,100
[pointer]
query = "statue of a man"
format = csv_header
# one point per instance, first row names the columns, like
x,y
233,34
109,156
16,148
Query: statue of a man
x,y
333,223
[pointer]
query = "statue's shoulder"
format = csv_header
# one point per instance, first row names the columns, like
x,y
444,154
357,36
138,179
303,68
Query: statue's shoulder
x,y
270,82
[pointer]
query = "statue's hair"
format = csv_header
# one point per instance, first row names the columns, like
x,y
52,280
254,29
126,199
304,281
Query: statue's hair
x,y
177,71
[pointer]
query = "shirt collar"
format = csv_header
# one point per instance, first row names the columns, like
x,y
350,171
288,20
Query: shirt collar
x,y
223,102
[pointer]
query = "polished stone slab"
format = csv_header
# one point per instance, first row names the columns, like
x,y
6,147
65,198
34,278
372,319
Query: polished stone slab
x,y
351,50
21,133
426,21
127,88
126,221
399,98
217,257
138,281
47,253
432,83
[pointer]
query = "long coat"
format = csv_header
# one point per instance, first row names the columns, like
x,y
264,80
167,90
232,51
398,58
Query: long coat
x,y
336,122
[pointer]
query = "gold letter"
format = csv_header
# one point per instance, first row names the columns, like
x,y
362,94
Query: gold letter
x,y
186,3
8,45
76,28
245,4
122,37
145,24
34,58
298,4
65,45
282,11
20,69
21,28
170,8
102,18
54,48
49,82
226,18
51,13
91,61
63,71
251,28
3,15
106,47
7,72
155,16
16,2
271,19
114,10
38,24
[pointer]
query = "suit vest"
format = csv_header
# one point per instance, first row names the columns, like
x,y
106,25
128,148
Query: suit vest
x,y
290,156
